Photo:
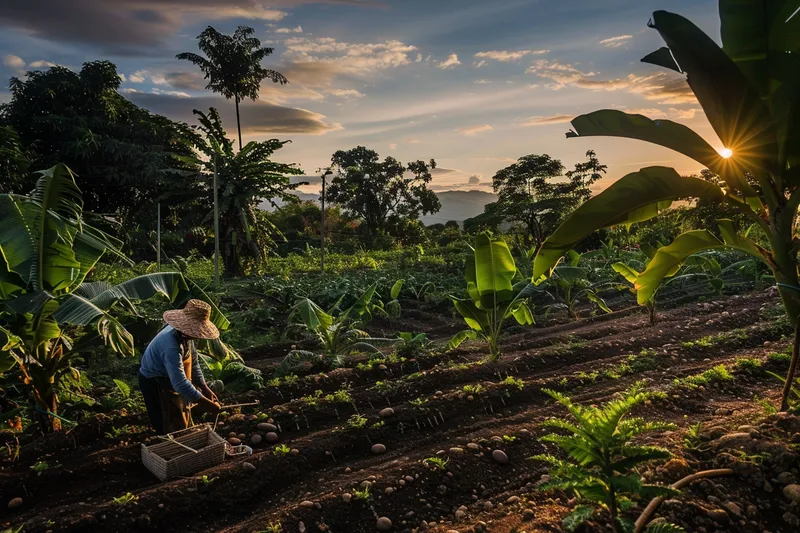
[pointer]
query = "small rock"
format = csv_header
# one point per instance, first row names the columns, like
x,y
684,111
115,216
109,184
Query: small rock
x,y
512,500
528,515
301,527
306,504
389,490
347,497
294,451
488,506
267,427
271,437
473,447
234,441
378,449
792,492
256,439
500,456
722,412
733,508
456,451
384,524
248,467
461,513
785,478
15,503
386,413
719,516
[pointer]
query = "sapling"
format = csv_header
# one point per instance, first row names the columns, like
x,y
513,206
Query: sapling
x,y
436,462
281,449
126,499
601,461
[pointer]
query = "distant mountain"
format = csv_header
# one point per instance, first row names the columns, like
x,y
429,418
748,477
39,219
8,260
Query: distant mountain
x,y
456,205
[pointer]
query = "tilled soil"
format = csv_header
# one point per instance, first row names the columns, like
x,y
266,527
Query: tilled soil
x,y
464,411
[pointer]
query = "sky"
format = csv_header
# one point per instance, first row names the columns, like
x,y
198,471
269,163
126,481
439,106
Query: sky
x,y
473,84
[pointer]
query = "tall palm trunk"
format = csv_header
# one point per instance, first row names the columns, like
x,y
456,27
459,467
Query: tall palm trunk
x,y
238,123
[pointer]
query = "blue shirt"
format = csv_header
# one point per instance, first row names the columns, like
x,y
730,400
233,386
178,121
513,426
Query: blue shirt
x,y
164,358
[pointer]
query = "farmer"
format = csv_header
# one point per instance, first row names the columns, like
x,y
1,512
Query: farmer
x,y
170,377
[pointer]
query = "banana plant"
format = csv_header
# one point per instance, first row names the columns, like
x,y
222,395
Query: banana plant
x,y
490,270
570,285
748,90
47,250
392,307
335,330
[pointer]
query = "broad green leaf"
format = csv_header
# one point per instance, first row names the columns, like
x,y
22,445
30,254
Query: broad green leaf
x,y
633,198
396,288
460,337
626,272
594,297
733,239
521,313
614,123
670,257
731,103
648,250
17,238
477,319
360,305
571,274
312,315
662,58
494,271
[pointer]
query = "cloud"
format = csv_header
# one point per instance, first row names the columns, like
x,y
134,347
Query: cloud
x,y
128,25
257,117
414,141
474,130
474,179
507,55
137,77
442,171
13,62
298,29
482,81
347,93
616,42
551,119
187,80
670,113
332,57
392,146
451,62
479,64
41,64
662,87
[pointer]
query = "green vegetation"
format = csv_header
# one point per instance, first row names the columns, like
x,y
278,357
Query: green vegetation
x,y
715,374
436,462
756,169
601,459
125,499
281,449
492,297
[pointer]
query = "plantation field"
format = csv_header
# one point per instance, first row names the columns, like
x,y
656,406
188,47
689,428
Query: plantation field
x,y
441,442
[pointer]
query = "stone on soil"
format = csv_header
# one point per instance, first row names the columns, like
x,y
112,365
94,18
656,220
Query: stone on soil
x,y
271,437
384,524
792,492
15,503
386,413
378,449
266,427
256,439
500,456
248,467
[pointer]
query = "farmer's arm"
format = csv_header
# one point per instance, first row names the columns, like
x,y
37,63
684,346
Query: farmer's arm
x,y
173,362
198,378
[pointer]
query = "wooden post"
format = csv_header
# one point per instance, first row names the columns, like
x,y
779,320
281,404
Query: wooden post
x,y
216,229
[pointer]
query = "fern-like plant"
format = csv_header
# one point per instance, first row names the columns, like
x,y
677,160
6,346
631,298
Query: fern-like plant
x,y
601,459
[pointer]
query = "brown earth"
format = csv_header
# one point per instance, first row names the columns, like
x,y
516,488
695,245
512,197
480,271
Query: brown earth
x,y
306,490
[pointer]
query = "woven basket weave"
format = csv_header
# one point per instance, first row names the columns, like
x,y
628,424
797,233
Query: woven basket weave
x,y
168,460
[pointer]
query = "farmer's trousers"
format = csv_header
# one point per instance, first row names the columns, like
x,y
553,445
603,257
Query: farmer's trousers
x,y
167,410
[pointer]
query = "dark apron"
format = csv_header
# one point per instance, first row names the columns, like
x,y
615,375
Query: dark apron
x,y
168,411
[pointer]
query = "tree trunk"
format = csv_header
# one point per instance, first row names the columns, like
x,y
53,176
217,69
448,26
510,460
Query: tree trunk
x,y
46,401
786,276
238,124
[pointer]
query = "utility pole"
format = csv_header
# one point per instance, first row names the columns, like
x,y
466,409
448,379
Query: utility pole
x,y
216,229
327,172
158,238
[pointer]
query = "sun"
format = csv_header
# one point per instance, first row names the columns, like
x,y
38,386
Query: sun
x,y
726,153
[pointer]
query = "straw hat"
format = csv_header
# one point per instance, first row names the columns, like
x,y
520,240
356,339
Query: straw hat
x,y
193,320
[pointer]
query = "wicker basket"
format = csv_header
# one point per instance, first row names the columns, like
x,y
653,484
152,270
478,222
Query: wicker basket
x,y
168,460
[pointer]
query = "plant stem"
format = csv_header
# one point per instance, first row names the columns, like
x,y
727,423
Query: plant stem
x,y
787,386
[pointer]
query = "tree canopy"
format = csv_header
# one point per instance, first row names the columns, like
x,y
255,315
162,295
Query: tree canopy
x,y
232,65
535,195
383,194
118,151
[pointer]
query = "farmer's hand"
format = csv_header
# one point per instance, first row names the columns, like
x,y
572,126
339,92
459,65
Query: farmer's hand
x,y
208,393
208,405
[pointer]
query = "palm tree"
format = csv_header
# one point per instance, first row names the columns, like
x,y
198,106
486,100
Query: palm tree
x,y
232,65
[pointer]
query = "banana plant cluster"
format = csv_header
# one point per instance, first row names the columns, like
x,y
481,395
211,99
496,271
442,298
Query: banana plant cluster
x,y
749,89
492,295
336,331
570,284
47,250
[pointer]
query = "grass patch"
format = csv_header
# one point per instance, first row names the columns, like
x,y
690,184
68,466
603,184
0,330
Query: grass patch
x,y
714,374
729,337
641,362
749,366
